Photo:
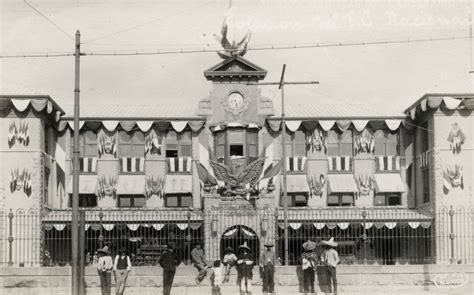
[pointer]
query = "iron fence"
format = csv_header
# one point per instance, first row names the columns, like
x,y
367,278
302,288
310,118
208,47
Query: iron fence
x,y
364,236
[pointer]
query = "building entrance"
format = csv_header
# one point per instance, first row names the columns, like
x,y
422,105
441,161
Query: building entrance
x,y
237,235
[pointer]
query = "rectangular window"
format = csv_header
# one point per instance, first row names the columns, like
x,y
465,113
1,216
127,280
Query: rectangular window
x,y
252,145
87,144
426,185
387,199
340,144
131,144
85,200
386,143
425,143
340,199
178,200
297,199
295,143
178,145
137,201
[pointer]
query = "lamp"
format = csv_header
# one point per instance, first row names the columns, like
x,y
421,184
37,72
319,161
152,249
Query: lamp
x,y
214,228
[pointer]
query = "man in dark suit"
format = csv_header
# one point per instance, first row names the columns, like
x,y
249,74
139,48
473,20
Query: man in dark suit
x,y
168,261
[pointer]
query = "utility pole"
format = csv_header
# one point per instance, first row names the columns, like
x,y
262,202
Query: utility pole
x,y
75,178
281,86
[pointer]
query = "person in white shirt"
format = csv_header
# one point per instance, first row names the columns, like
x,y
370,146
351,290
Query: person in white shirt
x,y
104,267
330,259
122,266
229,261
216,277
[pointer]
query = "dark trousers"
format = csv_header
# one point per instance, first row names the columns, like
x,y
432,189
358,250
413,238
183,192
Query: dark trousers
x,y
308,280
331,275
105,282
168,277
268,278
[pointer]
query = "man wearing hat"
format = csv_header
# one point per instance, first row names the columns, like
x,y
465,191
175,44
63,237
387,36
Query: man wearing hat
x,y
104,267
309,261
245,267
267,264
330,259
122,266
168,261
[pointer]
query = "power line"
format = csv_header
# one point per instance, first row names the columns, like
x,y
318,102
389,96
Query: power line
x,y
49,20
123,52
145,24
270,47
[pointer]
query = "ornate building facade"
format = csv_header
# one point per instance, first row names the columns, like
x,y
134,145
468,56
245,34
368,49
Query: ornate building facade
x,y
381,182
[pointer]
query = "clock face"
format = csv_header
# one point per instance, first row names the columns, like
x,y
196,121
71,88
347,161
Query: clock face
x,y
235,100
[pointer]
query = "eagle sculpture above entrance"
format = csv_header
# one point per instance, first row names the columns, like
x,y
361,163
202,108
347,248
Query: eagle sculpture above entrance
x,y
234,48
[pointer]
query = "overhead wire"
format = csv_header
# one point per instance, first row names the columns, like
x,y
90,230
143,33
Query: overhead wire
x,y
126,52
49,20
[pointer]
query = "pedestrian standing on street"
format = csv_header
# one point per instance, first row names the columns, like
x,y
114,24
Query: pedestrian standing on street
x,y
330,259
245,268
309,261
199,261
104,267
267,264
168,261
229,261
122,267
216,277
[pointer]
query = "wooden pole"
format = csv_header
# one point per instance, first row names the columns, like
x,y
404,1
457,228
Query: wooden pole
x,y
75,178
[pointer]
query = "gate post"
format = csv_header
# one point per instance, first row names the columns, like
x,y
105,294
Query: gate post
x,y
364,235
452,236
10,238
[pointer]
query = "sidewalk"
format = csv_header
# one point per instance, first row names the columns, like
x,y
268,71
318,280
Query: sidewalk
x,y
352,290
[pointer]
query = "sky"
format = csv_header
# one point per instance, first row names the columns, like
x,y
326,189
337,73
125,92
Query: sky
x,y
394,75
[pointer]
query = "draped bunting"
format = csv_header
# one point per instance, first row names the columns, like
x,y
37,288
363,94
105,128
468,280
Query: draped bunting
x,y
293,125
158,226
274,125
133,227
230,232
86,227
247,232
194,226
60,226
343,124
359,125
450,103
20,104
110,125
179,125
71,124
368,225
414,224
196,125
319,225
182,226
108,227
144,125
393,124
295,225
343,225
127,125
326,124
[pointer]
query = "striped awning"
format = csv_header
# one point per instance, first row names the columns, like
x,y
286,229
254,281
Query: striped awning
x,y
341,183
389,183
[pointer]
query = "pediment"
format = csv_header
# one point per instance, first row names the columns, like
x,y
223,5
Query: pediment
x,y
235,67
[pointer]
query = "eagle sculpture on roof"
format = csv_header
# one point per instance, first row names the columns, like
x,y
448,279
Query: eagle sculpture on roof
x,y
232,49
242,183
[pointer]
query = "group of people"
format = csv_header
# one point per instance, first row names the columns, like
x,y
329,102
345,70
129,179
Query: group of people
x,y
120,266
322,261
313,261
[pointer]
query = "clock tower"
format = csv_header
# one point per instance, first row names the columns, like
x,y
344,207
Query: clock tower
x,y
232,100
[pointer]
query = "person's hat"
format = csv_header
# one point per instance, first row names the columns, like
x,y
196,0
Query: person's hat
x,y
198,243
229,249
309,245
269,245
122,250
170,245
104,250
244,246
330,243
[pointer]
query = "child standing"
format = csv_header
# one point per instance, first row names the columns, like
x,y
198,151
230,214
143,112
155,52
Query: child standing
x,y
216,277
229,261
